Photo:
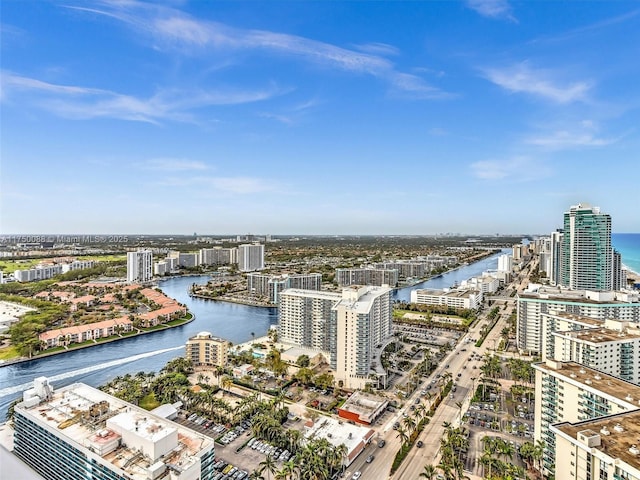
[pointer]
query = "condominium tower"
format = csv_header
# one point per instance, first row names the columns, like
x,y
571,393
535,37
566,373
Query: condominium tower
x,y
360,326
304,317
250,257
139,266
586,249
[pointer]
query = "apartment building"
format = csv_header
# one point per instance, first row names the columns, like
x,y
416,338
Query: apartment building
x,y
366,276
586,249
570,392
218,256
613,348
250,257
604,449
205,350
139,266
270,286
304,316
359,329
532,304
79,432
456,298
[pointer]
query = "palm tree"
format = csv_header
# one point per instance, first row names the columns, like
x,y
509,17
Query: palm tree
x,y
402,435
225,383
429,472
269,465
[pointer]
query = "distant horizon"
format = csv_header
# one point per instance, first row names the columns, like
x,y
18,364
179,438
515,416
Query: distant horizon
x,y
230,235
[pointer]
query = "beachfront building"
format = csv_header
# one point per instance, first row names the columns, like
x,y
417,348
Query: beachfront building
x,y
554,274
205,350
270,286
612,348
366,276
360,327
454,298
586,249
538,300
139,266
250,257
304,316
79,432
602,449
570,392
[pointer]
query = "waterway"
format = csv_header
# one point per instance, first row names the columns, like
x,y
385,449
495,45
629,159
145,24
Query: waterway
x,y
98,365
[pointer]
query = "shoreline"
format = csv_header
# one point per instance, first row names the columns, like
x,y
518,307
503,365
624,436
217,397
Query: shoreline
x,y
80,347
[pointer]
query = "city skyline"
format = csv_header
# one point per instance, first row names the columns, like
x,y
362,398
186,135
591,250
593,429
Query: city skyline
x,y
478,117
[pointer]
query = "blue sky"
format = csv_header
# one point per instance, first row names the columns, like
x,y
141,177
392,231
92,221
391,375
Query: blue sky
x,y
414,117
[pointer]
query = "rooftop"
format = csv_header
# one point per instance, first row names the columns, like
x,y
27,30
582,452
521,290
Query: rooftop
x,y
338,432
125,436
577,318
600,335
618,435
589,378
365,405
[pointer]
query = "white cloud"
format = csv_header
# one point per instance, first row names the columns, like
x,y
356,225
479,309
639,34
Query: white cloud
x,y
173,164
82,103
563,139
240,185
521,78
515,169
492,8
376,48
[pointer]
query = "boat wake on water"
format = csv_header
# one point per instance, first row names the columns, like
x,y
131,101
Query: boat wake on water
x,y
93,368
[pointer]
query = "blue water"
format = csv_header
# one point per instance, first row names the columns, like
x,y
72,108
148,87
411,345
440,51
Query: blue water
x,y
628,244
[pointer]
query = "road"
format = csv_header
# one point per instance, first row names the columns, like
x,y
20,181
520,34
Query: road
x,y
448,411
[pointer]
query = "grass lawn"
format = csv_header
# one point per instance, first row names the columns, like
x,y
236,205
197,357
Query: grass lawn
x,y
10,266
149,402
9,353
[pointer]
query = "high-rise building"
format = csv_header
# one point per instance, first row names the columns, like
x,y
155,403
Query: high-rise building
x,y
250,257
505,263
139,266
618,277
586,249
555,271
532,305
360,326
605,448
570,392
204,349
304,317
81,433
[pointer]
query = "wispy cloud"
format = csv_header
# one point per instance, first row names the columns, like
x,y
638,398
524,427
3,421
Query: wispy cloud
x,y
240,185
499,9
521,78
82,102
171,28
518,168
438,132
563,139
173,164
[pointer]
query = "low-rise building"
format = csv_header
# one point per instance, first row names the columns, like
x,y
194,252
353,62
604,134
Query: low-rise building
x,y
456,298
336,432
81,333
206,350
363,408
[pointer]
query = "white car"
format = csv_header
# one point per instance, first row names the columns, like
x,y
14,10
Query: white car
x,y
356,475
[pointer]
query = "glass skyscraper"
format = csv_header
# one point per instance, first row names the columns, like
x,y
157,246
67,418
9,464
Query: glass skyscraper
x,y
587,257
